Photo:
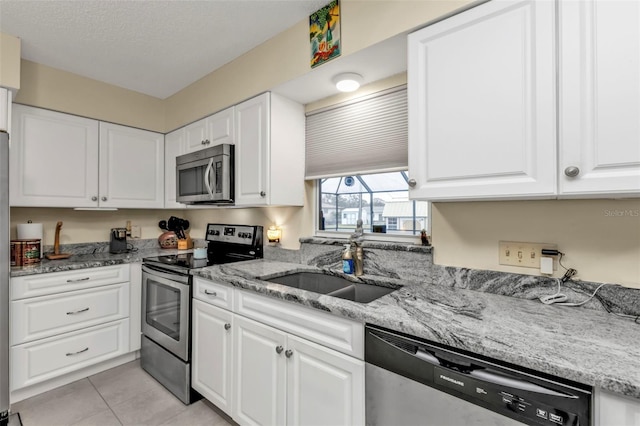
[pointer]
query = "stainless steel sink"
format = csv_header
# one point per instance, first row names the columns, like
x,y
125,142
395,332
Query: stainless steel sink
x,y
332,285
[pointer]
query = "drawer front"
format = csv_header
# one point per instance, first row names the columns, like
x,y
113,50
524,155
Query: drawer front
x,y
45,316
57,282
328,330
213,293
45,359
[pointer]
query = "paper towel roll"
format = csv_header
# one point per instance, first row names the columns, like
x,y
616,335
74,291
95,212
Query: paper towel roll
x,y
31,231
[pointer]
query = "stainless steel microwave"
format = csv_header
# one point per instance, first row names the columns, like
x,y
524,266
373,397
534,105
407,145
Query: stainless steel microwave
x,y
206,176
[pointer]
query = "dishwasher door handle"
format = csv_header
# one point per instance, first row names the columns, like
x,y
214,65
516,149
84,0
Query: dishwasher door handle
x,y
490,377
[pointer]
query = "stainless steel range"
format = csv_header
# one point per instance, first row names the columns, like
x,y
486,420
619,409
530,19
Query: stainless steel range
x,y
166,303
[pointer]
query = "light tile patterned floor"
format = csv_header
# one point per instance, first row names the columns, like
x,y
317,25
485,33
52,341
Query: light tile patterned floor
x,y
125,395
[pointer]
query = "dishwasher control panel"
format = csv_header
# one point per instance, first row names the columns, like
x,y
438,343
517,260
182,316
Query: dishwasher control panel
x,y
519,394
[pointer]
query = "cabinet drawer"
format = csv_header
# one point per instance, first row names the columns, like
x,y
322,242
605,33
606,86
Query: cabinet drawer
x,y
44,316
334,332
57,282
213,293
45,359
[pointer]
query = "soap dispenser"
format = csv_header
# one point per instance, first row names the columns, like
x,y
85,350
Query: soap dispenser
x,y
347,260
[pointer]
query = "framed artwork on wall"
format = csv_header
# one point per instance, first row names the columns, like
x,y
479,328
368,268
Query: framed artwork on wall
x,y
324,33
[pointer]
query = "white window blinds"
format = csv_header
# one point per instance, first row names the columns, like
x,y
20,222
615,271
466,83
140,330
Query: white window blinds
x,y
364,135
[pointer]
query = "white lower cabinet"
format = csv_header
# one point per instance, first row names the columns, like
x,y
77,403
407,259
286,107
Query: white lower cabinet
x,y
614,409
45,359
275,374
260,374
212,356
63,322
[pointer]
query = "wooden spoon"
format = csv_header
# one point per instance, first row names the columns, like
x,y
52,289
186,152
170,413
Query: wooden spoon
x,y
56,246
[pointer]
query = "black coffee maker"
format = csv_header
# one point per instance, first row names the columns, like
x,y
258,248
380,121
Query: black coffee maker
x,y
118,241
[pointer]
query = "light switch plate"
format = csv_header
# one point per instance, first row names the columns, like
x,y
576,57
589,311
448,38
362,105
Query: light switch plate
x,y
526,255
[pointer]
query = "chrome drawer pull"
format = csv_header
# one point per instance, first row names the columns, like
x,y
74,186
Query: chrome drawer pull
x,y
227,326
288,353
77,312
279,349
210,293
79,352
79,279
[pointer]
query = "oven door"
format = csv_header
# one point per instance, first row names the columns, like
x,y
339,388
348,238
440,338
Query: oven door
x,y
166,300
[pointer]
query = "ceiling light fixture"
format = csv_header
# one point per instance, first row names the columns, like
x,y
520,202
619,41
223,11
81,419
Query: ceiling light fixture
x,y
347,81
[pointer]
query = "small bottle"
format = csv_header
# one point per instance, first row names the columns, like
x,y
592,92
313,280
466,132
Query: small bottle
x,y
347,260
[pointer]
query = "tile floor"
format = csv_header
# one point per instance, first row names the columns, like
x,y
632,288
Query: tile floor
x,y
125,395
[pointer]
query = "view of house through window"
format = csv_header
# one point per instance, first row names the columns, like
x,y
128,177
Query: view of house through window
x,y
381,200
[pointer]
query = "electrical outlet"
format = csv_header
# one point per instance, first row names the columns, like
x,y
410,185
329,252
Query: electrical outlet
x,y
526,255
135,231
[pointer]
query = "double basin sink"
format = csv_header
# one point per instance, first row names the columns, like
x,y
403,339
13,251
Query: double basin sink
x,y
332,285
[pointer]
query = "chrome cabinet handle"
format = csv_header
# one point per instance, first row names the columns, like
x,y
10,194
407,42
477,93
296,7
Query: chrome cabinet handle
x,y
288,353
279,349
79,352
207,141
210,293
94,198
79,279
104,198
263,194
201,142
77,312
572,171
412,183
227,326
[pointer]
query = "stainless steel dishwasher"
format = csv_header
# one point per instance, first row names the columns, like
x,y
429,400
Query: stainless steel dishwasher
x,y
410,381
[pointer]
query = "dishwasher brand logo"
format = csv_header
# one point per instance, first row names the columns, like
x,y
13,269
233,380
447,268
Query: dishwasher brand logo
x,y
452,380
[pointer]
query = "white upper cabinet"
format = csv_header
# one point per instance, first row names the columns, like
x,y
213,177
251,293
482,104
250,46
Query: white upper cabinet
x,y
54,159
482,116
211,131
174,145
131,167
61,160
599,98
482,102
269,154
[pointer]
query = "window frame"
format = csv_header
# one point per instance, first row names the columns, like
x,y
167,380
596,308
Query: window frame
x,y
370,236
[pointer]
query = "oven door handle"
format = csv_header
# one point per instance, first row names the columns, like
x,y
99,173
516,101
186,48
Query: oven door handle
x,y
152,270
207,178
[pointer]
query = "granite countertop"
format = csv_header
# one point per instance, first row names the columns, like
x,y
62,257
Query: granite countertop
x,y
587,346
83,261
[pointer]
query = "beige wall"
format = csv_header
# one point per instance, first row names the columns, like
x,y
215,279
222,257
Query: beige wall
x,y
63,91
600,238
286,56
9,61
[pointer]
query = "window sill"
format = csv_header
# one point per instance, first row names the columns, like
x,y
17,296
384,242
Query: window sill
x,y
385,242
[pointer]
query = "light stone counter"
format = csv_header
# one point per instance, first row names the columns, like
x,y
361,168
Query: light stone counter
x,y
584,345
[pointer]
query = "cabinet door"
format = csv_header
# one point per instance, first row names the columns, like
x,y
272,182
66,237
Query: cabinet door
x,y
220,128
131,167
54,159
260,373
600,98
614,409
195,135
212,369
482,104
324,387
252,151
174,145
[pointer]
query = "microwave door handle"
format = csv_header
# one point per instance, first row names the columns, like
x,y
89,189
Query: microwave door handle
x,y
207,179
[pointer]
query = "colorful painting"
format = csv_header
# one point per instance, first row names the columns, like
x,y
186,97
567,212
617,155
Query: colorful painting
x,y
324,33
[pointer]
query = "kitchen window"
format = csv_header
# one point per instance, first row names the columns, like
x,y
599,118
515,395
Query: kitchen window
x,y
380,200
356,151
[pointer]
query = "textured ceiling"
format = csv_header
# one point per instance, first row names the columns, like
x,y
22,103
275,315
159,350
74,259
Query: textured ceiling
x,y
152,46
